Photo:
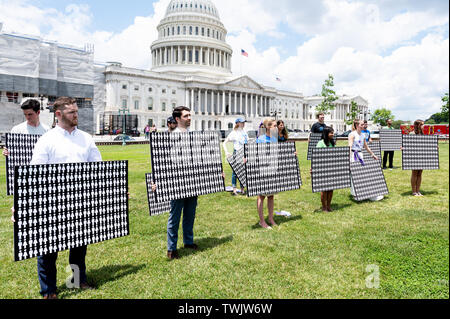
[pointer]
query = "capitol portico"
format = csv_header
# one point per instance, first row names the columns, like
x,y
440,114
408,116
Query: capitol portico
x,y
191,66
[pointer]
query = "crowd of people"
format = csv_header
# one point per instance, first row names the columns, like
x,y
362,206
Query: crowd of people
x,y
67,144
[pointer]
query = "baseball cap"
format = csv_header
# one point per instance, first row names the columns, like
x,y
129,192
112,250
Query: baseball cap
x,y
171,120
240,120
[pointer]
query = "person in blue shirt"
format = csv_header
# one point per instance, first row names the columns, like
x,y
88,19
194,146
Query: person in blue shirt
x,y
270,136
366,132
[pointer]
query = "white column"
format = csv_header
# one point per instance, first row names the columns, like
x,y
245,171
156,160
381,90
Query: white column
x,y
223,103
229,102
160,56
186,53
187,99
206,101
213,109
200,60
179,54
246,105
193,100
220,59
235,103
240,102
207,58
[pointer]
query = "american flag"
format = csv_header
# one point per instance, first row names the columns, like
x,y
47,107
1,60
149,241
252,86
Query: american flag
x,y
244,53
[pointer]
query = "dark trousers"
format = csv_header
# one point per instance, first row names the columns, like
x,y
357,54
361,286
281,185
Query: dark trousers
x,y
188,206
389,154
46,266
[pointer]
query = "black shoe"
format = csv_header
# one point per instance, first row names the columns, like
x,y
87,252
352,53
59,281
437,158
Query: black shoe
x,y
173,255
193,246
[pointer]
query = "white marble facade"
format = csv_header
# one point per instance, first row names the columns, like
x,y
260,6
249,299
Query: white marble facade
x,y
192,67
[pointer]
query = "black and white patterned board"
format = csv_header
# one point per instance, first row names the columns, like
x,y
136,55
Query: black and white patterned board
x,y
314,138
391,140
330,169
271,168
368,180
20,147
154,207
63,206
236,162
420,152
375,147
186,165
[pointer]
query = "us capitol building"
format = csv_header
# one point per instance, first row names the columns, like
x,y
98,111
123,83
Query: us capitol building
x,y
191,66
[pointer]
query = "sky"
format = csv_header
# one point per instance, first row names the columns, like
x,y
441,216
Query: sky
x,y
393,53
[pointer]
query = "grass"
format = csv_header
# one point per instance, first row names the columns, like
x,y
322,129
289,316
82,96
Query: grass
x,y
310,255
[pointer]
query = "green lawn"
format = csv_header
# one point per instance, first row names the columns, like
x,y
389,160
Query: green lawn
x,y
310,255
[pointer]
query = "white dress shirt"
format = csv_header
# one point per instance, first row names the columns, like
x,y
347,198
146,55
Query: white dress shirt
x,y
24,128
58,146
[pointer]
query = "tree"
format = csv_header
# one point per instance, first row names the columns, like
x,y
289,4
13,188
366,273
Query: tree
x,y
381,116
444,110
397,124
329,96
353,115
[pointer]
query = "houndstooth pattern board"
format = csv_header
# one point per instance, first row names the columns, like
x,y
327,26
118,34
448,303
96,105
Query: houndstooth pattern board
x,y
236,162
271,168
375,147
154,207
20,147
63,206
186,165
330,169
368,180
391,140
314,138
420,152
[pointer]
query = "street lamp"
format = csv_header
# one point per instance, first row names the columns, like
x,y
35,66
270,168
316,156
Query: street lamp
x,y
41,97
125,112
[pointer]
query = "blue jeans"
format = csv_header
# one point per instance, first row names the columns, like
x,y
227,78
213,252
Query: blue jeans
x,y
234,180
46,266
188,206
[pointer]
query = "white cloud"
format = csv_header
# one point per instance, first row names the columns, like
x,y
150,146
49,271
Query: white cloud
x,y
393,53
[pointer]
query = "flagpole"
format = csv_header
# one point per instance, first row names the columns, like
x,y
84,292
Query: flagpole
x,y
241,63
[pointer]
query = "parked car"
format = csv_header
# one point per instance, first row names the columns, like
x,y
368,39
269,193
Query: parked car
x,y
120,138
135,133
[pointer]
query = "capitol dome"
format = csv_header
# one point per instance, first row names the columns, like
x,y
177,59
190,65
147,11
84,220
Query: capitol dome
x,y
192,40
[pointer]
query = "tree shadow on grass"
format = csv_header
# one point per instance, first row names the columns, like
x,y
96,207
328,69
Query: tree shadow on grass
x,y
424,193
205,244
101,276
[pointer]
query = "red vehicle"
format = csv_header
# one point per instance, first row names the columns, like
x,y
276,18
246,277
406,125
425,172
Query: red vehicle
x,y
428,129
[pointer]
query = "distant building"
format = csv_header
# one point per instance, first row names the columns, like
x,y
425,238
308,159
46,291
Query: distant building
x,y
191,66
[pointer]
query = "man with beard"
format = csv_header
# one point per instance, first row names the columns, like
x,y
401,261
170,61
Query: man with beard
x,y
31,110
182,115
64,144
